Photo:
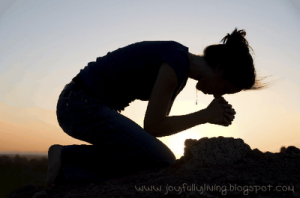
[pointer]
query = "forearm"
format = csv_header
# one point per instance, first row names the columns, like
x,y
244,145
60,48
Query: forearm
x,y
174,124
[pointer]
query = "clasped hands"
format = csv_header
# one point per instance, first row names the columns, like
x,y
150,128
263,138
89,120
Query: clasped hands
x,y
220,112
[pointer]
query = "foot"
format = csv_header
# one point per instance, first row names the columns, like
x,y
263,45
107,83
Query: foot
x,y
54,164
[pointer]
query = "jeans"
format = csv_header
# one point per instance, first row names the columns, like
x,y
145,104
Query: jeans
x,y
119,146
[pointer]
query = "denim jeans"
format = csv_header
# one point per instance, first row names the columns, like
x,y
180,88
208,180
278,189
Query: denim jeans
x,y
119,146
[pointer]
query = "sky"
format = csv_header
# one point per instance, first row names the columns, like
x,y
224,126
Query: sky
x,y
44,44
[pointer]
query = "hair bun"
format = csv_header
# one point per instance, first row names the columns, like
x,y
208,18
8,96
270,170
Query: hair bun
x,y
236,41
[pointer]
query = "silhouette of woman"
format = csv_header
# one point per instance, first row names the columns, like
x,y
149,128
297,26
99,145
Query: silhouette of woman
x,y
89,106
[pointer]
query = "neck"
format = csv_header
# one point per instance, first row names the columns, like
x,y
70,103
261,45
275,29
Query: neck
x,y
198,67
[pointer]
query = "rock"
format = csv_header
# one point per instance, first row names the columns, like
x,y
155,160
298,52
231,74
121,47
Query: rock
x,y
292,150
40,194
219,150
187,147
26,191
282,149
210,167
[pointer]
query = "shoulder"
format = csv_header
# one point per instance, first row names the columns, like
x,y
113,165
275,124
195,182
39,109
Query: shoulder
x,y
177,44
160,42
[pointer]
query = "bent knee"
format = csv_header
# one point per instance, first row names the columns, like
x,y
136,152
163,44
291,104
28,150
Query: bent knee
x,y
168,161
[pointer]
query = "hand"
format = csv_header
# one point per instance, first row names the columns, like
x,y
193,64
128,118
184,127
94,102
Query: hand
x,y
220,112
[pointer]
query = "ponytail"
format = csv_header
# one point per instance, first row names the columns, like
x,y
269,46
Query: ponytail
x,y
235,58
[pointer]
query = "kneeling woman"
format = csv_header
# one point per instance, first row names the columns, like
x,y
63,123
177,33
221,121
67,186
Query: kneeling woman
x,y
89,107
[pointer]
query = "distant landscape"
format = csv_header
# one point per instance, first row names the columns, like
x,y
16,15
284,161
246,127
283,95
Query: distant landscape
x,y
17,170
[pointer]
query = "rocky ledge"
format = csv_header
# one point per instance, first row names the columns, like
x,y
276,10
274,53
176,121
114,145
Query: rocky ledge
x,y
210,167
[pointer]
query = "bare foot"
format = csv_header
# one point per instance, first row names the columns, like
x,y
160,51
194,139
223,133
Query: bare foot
x,y
54,163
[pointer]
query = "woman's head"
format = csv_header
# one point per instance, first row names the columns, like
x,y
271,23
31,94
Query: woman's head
x,y
234,57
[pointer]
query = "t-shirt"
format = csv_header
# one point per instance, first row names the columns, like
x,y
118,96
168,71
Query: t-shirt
x,y
129,73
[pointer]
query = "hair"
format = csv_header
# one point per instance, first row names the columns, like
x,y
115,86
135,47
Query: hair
x,y
235,58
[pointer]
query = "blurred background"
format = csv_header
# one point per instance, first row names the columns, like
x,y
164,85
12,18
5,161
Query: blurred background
x,y
44,44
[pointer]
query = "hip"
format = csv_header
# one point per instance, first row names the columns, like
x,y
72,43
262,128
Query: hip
x,y
75,106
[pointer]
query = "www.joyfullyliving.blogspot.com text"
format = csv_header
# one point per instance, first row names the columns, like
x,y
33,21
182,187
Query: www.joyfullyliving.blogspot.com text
x,y
223,189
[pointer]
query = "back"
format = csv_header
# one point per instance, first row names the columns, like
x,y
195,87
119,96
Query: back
x,y
130,72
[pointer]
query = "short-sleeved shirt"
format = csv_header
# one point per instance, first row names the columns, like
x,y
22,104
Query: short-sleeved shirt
x,y
129,73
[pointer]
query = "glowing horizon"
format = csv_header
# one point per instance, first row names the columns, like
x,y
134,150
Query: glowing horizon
x,y
44,47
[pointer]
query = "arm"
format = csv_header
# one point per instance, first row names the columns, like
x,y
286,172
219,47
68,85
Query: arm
x,y
159,124
170,107
174,124
156,121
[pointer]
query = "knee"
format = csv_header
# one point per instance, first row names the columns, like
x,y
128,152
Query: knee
x,y
169,160
168,157
172,159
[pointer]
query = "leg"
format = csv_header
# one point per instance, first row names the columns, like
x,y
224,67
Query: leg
x,y
54,164
120,146
54,172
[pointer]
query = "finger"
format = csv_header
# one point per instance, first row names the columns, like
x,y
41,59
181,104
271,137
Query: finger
x,y
233,110
229,117
221,100
224,101
227,106
226,122
230,111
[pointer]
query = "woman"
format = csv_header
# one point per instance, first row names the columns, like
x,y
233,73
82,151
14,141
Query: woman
x,y
155,71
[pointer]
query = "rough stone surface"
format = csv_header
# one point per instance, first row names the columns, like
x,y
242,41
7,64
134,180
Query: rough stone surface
x,y
219,150
210,167
40,194
25,191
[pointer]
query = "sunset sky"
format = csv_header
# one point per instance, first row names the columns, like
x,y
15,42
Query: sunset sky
x,y
44,44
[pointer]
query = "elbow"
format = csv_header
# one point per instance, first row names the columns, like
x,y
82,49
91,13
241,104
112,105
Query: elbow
x,y
156,128
151,130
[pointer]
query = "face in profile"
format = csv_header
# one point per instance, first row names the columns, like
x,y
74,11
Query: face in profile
x,y
216,85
